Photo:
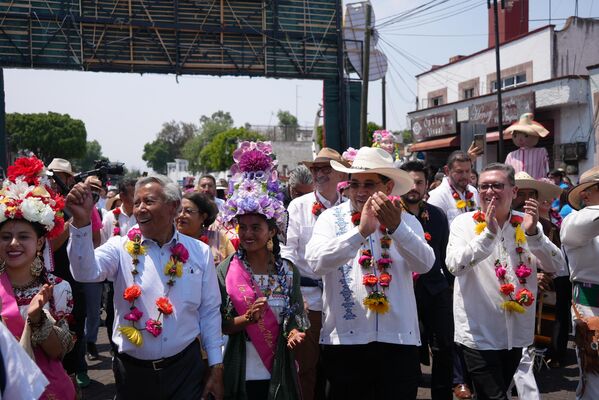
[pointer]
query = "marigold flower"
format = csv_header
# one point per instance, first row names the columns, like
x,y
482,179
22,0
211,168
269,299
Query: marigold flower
x,y
456,195
516,220
369,280
479,216
355,218
506,289
480,227
460,204
132,293
385,279
512,306
525,297
164,305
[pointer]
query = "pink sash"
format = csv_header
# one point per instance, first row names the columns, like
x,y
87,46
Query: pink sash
x,y
61,385
264,333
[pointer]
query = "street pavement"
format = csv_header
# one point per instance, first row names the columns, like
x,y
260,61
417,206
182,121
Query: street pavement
x,y
554,384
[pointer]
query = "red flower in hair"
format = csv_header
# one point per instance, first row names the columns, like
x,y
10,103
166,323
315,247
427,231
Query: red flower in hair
x,y
27,167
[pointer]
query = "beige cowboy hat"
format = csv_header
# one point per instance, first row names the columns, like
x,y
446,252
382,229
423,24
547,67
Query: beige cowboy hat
x,y
527,125
588,179
325,155
546,191
110,202
61,165
374,160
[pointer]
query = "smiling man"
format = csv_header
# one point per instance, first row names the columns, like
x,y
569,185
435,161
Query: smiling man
x,y
365,250
492,254
166,295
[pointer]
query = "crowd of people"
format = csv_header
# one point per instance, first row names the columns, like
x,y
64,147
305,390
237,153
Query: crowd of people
x,y
338,285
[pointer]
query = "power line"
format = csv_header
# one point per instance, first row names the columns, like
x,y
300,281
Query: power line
x,y
416,24
421,16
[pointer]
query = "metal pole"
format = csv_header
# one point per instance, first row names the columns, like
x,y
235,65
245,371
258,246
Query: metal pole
x,y
384,85
498,68
3,155
342,117
365,75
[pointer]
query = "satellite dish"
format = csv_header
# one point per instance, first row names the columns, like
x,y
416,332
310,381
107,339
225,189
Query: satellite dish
x,y
354,30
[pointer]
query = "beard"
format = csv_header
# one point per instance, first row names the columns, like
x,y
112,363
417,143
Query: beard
x,y
412,197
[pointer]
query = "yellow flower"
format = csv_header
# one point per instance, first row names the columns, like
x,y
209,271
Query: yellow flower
x,y
377,303
132,334
135,249
178,268
480,227
520,237
512,306
460,204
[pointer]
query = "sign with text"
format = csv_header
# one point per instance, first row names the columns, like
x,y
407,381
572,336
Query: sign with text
x,y
513,107
429,126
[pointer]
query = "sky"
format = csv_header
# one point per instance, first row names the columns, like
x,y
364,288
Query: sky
x,y
124,111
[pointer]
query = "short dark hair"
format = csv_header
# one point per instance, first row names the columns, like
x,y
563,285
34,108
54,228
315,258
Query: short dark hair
x,y
40,230
458,156
415,166
508,169
205,204
208,176
127,183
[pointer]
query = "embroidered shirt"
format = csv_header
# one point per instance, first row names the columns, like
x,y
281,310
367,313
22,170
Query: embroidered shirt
x,y
195,296
442,197
333,253
480,322
299,232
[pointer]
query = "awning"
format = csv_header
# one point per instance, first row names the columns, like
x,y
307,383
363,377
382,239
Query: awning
x,y
452,141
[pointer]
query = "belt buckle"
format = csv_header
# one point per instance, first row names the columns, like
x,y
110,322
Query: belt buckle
x,y
155,364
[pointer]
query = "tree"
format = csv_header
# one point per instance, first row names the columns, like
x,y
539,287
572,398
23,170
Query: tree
x,y
46,135
156,154
93,152
370,128
286,119
168,145
218,122
218,154
408,136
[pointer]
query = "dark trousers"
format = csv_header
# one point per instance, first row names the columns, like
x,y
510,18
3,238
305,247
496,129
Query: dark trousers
x,y
372,371
492,371
563,318
257,390
183,379
109,310
74,361
436,317
307,355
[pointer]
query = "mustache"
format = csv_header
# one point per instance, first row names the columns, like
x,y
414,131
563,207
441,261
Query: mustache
x,y
322,179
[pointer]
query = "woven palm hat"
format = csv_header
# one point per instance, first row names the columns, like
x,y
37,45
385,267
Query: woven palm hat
x,y
527,125
374,160
588,179
547,191
325,155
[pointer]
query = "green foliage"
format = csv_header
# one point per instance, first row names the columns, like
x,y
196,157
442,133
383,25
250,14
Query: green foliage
x,y
168,145
156,154
218,122
286,119
46,135
320,136
218,154
93,152
370,128
408,136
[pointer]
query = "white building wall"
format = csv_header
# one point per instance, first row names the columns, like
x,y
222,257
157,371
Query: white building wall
x,y
536,47
594,89
577,46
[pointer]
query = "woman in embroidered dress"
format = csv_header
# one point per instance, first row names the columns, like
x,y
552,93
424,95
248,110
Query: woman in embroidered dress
x,y
35,304
198,212
262,304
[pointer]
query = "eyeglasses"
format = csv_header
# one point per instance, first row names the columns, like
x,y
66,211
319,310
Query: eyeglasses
x,y
495,186
189,211
325,169
370,185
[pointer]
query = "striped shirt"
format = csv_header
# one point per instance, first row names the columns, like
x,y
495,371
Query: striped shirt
x,y
534,161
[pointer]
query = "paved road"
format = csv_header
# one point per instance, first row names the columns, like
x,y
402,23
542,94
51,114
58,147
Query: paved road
x,y
554,384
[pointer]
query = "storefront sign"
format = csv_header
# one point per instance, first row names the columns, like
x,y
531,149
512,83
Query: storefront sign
x,y
429,126
513,107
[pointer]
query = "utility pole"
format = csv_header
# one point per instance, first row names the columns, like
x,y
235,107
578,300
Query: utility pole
x,y
501,151
365,76
3,152
384,84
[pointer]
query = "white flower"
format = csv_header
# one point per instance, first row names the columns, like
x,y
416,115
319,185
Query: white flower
x,y
18,190
47,217
32,208
2,212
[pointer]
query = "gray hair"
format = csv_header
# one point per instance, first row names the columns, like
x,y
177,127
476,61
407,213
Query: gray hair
x,y
505,168
300,176
170,188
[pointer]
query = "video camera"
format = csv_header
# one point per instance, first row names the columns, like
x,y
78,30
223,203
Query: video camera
x,y
102,169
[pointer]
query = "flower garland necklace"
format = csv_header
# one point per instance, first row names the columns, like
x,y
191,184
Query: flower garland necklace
x,y
173,269
423,216
116,231
524,297
317,208
377,299
463,205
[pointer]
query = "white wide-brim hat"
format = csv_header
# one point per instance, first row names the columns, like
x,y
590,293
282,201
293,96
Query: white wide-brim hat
x,y
373,160
547,191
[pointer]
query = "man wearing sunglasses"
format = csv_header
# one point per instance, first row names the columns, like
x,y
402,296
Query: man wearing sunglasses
x,y
580,239
493,255
366,250
303,213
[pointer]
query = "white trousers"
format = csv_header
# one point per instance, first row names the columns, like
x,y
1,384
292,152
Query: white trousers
x,y
524,378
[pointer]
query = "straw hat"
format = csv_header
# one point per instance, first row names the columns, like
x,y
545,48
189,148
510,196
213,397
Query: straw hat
x,y
374,160
546,191
588,179
527,125
325,155
61,165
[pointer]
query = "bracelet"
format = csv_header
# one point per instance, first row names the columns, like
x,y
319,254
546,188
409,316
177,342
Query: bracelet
x,y
36,325
217,366
249,317
40,334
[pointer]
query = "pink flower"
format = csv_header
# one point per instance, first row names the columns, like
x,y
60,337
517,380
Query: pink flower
x,y
384,261
154,327
500,272
134,315
116,231
350,154
180,252
364,259
415,276
523,271
134,233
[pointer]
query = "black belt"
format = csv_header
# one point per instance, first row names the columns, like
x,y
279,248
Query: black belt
x,y
159,364
309,282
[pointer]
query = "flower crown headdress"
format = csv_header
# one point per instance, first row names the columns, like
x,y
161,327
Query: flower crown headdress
x,y
379,135
254,187
26,194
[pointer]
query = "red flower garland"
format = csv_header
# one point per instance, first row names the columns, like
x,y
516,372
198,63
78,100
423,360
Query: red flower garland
x,y
317,208
116,231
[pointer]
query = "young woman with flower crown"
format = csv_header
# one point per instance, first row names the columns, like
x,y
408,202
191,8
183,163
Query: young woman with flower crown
x,y
493,253
262,304
36,305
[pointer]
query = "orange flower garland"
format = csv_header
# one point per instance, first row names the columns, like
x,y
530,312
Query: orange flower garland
x,y
464,205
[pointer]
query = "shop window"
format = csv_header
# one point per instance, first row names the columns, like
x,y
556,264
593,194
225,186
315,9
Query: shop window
x,y
510,82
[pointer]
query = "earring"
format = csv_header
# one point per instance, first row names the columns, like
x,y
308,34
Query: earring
x,y
2,266
269,245
36,266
